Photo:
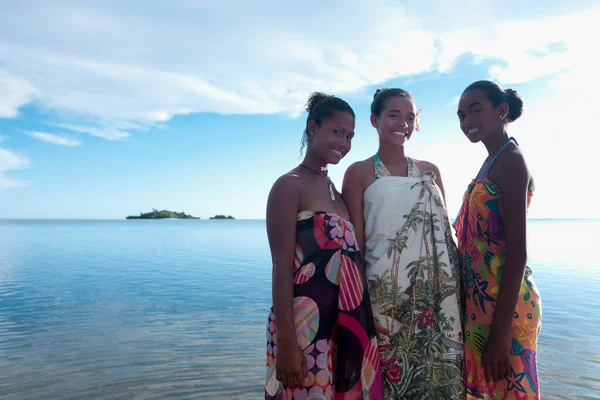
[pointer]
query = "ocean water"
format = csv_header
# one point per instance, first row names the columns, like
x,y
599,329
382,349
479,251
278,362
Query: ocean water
x,y
176,309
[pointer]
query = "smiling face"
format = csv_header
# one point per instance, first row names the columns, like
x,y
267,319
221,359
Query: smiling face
x,y
332,139
478,117
396,122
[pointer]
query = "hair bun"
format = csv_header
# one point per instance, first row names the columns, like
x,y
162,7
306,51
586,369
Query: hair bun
x,y
379,90
515,104
313,99
320,107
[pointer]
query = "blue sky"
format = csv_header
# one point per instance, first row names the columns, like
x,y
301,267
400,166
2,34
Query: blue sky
x,y
107,110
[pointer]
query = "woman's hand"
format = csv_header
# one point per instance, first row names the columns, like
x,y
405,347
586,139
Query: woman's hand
x,y
496,356
290,365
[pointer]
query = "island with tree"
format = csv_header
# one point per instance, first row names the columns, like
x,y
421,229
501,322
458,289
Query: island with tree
x,y
155,214
222,217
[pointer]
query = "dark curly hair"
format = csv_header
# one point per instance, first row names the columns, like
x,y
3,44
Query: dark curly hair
x,y
497,96
321,106
382,95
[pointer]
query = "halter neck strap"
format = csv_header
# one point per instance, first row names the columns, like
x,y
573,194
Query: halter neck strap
x,y
486,171
381,170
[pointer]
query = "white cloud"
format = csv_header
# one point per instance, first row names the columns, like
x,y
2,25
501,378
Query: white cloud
x,y
10,161
55,139
14,93
108,133
141,66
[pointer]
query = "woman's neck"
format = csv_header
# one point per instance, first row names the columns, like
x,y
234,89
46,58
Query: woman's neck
x,y
315,163
494,143
390,154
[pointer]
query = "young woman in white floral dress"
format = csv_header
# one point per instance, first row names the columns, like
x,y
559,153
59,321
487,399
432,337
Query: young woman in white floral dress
x,y
396,205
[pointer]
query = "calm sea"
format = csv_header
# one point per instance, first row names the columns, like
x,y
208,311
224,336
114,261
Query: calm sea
x,y
176,309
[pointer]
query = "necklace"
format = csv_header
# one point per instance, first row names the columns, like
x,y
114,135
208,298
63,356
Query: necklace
x,y
324,177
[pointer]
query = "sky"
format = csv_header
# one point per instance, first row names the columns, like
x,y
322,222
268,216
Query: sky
x,y
110,108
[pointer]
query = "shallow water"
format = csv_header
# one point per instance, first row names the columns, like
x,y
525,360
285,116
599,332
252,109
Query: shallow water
x,y
139,309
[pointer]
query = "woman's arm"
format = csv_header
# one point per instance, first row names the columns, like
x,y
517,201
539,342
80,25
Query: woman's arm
x,y
282,209
513,182
352,193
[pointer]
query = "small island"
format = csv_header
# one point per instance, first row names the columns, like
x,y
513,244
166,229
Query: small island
x,y
155,214
222,217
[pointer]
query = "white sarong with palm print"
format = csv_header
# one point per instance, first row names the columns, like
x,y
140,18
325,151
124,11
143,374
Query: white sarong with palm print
x,y
413,274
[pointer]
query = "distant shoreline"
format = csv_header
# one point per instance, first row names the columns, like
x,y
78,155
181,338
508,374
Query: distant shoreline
x,y
163,214
221,216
